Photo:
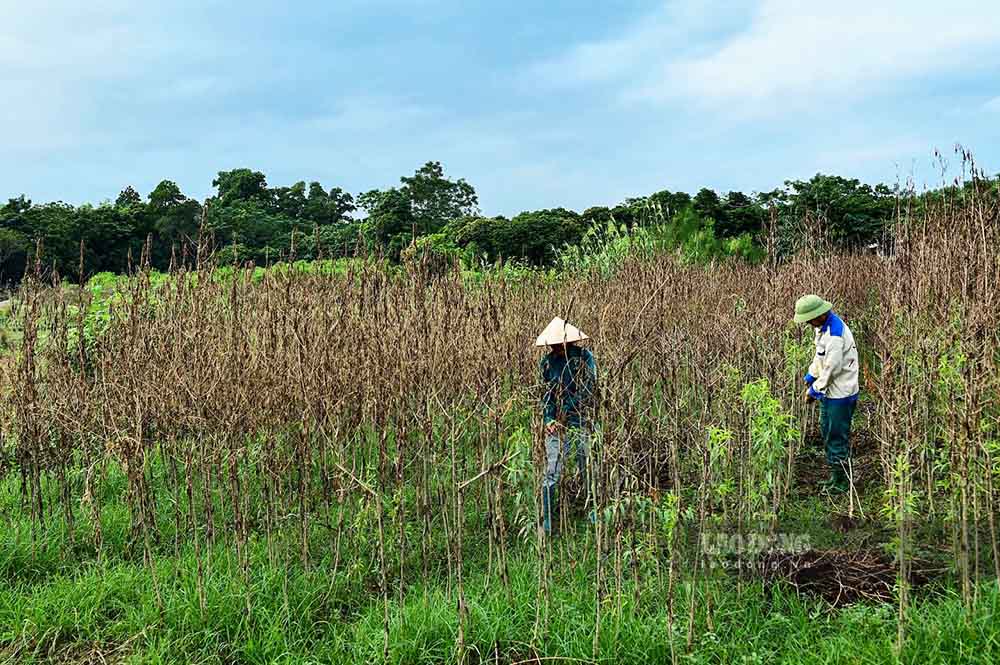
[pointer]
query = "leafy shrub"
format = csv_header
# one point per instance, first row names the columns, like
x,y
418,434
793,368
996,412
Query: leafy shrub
x,y
435,254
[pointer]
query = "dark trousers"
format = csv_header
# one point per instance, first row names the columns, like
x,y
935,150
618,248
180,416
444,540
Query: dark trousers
x,y
835,425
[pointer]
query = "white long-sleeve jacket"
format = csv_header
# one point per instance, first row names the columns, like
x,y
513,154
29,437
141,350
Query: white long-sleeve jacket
x,y
833,374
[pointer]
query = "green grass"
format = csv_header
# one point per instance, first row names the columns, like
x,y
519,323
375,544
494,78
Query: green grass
x,y
303,617
62,601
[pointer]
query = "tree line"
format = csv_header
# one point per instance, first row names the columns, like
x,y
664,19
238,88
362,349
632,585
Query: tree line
x,y
247,220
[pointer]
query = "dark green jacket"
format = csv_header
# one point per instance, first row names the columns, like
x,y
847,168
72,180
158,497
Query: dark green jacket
x,y
570,382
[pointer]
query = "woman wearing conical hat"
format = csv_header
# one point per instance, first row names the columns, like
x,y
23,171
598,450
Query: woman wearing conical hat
x,y
569,376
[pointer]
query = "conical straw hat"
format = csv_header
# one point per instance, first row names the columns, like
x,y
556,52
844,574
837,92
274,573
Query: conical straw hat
x,y
560,332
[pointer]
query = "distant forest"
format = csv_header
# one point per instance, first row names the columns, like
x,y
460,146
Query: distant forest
x,y
246,220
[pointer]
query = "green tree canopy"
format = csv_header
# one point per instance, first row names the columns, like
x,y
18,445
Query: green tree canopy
x,y
533,237
849,212
435,200
242,185
173,218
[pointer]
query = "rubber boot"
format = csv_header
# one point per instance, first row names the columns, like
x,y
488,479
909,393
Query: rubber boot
x,y
838,482
548,506
841,483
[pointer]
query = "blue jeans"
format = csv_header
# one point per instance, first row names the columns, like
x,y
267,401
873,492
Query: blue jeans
x,y
557,449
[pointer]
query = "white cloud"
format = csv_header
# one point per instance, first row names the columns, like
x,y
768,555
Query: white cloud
x,y
788,51
66,64
836,48
651,41
64,39
369,114
606,60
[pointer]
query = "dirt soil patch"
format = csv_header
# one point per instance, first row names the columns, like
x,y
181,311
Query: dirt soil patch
x,y
841,577
810,466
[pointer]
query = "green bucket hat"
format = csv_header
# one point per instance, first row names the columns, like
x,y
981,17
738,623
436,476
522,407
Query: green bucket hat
x,y
809,307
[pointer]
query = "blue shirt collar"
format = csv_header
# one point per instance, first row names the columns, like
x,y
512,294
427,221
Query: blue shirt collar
x,y
829,321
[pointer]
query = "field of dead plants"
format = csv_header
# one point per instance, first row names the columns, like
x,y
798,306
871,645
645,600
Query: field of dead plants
x,y
313,468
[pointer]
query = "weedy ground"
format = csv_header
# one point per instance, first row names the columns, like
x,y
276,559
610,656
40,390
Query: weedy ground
x,y
302,467
69,605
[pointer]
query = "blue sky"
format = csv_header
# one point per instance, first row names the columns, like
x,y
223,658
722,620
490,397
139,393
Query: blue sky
x,y
537,104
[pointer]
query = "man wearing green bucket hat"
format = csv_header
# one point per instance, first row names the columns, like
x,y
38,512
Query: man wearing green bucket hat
x,y
833,382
